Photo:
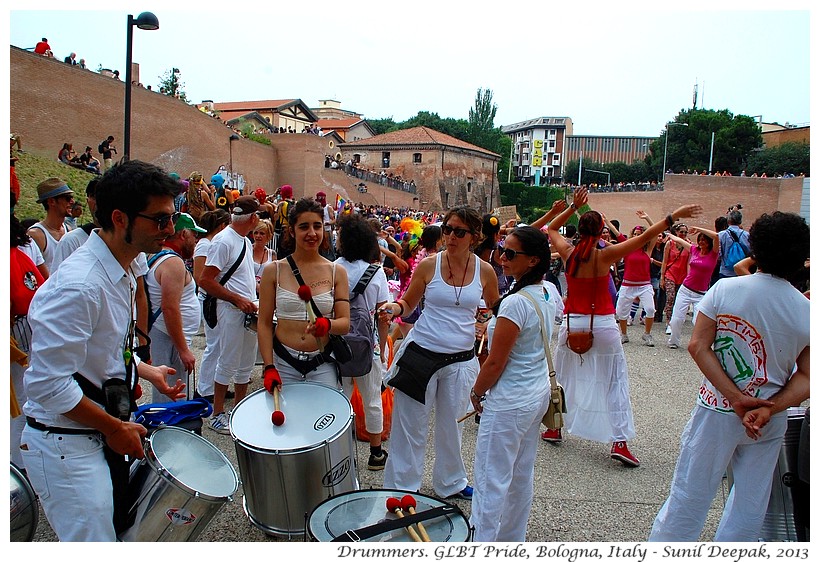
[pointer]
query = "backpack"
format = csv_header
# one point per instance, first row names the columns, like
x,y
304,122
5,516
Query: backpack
x,y
282,220
360,338
736,251
101,147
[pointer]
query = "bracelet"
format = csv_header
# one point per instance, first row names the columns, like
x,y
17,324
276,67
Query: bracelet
x,y
401,307
572,206
670,221
476,396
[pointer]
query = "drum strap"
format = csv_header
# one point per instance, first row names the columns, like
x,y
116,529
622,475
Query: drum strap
x,y
304,367
364,533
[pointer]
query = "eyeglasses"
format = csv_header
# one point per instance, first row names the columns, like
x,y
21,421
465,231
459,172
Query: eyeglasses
x,y
510,254
163,221
459,232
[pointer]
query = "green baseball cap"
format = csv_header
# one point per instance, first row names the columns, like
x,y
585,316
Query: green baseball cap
x,y
187,222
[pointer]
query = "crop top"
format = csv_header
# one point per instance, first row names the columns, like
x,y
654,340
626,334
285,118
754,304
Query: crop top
x,y
579,295
290,307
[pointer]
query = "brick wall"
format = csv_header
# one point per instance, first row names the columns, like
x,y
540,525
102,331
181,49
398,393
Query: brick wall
x,y
714,193
52,103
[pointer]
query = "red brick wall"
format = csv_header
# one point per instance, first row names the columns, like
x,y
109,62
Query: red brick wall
x,y
714,193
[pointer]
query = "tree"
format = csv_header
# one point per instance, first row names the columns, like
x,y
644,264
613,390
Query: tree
x,y
381,126
787,158
171,85
481,130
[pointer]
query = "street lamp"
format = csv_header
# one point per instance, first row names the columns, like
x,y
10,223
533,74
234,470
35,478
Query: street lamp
x,y
232,138
147,21
666,145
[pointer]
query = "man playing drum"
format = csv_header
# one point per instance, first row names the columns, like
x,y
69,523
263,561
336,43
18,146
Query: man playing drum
x,y
83,339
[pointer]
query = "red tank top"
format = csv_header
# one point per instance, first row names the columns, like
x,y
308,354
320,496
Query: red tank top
x,y
580,294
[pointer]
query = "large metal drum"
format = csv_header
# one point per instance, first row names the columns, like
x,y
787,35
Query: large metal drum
x,y
348,517
180,485
25,511
288,470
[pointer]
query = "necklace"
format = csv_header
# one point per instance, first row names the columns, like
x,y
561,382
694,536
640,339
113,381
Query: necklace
x,y
457,292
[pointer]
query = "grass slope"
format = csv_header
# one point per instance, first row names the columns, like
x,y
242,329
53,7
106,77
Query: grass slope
x,y
32,169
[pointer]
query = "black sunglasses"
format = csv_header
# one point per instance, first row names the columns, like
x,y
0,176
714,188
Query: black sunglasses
x,y
510,254
163,221
459,232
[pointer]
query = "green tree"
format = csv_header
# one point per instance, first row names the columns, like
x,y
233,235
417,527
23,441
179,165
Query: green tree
x,y
481,119
381,126
787,158
171,85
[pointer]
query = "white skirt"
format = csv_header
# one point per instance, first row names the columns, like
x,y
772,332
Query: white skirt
x,y
597,383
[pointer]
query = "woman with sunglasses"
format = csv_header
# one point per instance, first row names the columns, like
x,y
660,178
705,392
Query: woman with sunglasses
x,y
511,392
435,366
673,269
702,261
597,382
637,284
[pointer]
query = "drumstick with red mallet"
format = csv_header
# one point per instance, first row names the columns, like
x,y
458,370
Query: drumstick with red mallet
x,y
272,383
394,505
408,503
306,295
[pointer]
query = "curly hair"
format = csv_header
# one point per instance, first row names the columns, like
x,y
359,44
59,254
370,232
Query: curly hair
x,y
357,239
534,243
780,243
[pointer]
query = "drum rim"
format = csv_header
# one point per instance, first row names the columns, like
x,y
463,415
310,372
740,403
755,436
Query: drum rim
x,y
166,475
300,450
35,501
390,491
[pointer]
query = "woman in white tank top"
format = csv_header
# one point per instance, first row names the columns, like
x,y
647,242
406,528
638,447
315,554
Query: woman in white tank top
x,y
291,354
452,282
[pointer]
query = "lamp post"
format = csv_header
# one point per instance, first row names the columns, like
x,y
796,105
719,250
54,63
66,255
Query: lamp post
x,y
232,138
666,145
147,21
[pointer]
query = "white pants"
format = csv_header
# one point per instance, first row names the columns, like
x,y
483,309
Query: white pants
x,y
504,467
237,346
21,331
684,298
326,373
449,393
72,481
370,387
164,352
207,366
710,441
629,293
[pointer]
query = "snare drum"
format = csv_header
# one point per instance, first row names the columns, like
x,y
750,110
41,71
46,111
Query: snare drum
x,y
288,470
252,319
179,486
341,516
25,511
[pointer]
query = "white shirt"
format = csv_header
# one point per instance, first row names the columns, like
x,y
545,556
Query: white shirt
x,y
376,290
201,251
224,251
525,376
66,246
80,320
32,250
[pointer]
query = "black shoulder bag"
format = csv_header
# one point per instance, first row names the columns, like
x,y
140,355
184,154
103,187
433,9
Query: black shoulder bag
x,y
209,304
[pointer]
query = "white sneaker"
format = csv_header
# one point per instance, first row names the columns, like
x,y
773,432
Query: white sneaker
x,y
668,330
220,424
624,338
647,340
672,345
630,321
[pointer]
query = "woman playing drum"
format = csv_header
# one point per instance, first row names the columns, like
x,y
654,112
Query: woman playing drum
x,y
300,349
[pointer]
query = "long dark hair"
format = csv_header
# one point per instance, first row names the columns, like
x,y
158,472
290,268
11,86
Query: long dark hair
x,y
534,243
590,226
357,239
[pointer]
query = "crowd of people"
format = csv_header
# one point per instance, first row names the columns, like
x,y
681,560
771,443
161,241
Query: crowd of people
x,y
468,304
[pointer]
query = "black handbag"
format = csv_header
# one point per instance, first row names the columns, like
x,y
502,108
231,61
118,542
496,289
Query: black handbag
x,y
209,304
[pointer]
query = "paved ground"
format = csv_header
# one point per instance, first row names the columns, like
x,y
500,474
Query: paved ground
x,y
580,493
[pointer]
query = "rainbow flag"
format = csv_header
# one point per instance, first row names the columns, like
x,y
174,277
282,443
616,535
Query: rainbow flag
x,y
340,203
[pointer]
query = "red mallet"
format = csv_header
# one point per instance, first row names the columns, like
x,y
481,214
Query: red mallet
x,y
394,505
277,417
305,294
408,503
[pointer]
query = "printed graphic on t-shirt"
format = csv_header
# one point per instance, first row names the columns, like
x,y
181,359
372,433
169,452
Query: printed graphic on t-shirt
x,y
742,354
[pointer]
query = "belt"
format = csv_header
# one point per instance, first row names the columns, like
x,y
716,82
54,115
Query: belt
x,y
694,291
61,430
301,362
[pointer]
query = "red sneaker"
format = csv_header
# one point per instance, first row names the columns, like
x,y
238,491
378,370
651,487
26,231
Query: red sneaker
x,y
620,452
552,436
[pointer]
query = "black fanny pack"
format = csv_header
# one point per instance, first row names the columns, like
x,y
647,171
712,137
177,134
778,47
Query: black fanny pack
x,y
418,365
303,366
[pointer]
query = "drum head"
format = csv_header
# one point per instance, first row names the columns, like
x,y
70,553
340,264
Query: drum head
x,y
314,414
193,462
354,510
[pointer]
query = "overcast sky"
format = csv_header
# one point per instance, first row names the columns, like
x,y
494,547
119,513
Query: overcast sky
x,y
614,72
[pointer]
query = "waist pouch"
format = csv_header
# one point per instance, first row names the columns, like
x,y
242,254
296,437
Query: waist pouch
x,y
304,367
418,365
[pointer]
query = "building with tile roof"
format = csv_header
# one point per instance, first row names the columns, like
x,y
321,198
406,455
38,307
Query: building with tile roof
x,y
446,171
288,115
